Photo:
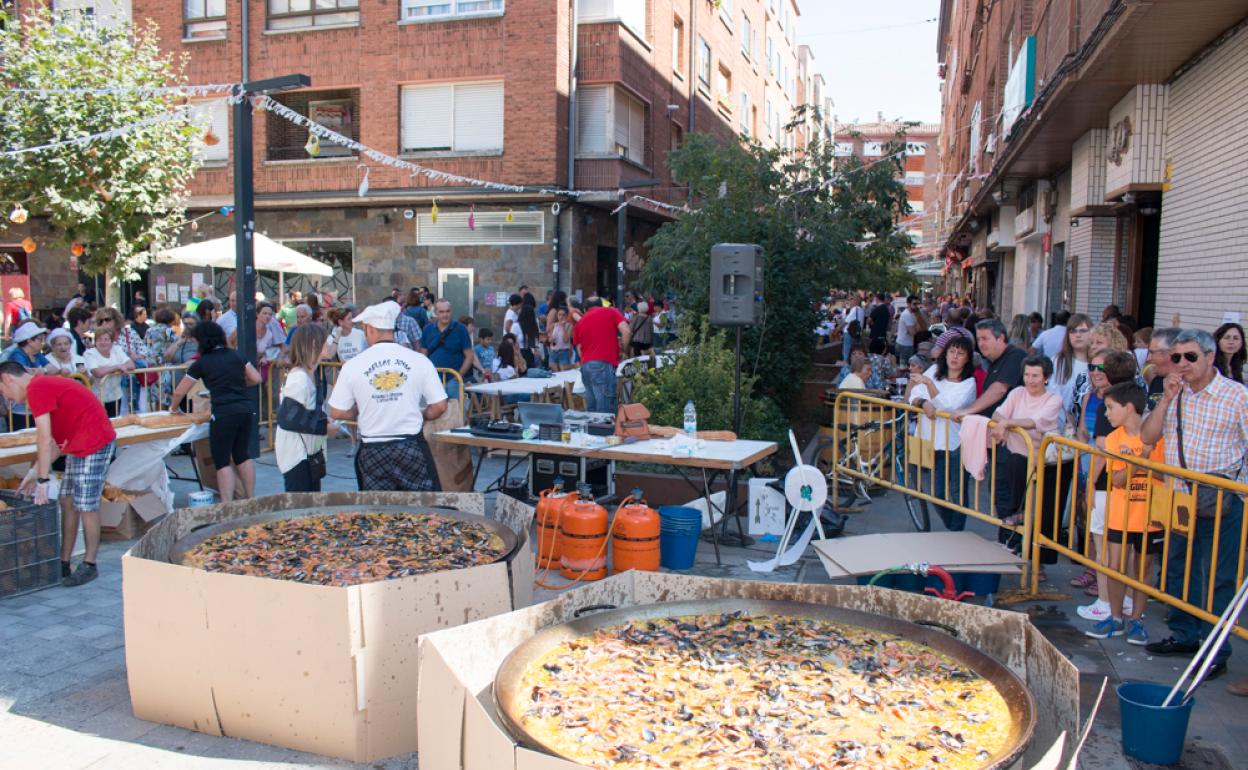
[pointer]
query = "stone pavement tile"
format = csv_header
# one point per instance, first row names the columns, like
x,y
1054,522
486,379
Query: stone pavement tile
x,y
33,611
61,601
117,722
73,706
47,659
110,641
13,629
25,600
98,630
55,631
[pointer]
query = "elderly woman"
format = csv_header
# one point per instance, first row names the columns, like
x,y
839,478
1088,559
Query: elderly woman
x,y
63,358
303,316
945,387
108,363
127,339
28,342
1036,410
859,373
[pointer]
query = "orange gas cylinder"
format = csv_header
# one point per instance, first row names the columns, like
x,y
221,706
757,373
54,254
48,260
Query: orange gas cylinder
x,y
550,503
583,538
635,535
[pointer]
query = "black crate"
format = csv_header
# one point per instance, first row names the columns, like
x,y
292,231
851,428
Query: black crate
x,y
30,544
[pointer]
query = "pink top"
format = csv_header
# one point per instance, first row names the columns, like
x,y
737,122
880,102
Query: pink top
x,y
1044,410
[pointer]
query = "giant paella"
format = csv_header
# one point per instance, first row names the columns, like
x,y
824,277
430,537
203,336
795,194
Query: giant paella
x,y
761,685
346,546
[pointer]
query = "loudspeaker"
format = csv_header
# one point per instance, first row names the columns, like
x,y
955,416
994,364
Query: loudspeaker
x,y
736,283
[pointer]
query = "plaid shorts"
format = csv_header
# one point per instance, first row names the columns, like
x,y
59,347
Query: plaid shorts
x,y
398,466
84,478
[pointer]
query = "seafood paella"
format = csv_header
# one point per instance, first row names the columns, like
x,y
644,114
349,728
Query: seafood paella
x,y
736,690
349,548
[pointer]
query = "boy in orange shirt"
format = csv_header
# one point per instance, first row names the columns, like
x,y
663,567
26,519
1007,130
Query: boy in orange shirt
x,y
1126,517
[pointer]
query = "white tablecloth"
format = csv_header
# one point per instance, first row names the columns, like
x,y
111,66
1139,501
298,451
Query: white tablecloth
x,y
529,386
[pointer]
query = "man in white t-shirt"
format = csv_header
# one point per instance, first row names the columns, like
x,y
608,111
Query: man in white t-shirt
x,y
391,390
229,319
1049,342
907,327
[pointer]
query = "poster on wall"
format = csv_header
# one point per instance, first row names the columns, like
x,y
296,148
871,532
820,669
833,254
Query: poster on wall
x,y
184,293
334,114
197,279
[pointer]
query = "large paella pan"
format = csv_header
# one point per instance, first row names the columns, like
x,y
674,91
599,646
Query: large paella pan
x,y
742,684
346,545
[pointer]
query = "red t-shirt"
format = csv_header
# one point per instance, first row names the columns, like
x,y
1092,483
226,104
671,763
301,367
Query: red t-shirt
x,y
598,335
80,426
19,310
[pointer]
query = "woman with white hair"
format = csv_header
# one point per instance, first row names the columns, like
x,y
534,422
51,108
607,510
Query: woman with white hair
x,y
63,359
642,327
28,351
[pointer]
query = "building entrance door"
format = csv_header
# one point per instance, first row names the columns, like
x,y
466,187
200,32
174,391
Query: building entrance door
x,y
607,278
455,285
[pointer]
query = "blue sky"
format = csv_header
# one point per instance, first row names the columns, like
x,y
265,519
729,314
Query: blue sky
x,y
877,56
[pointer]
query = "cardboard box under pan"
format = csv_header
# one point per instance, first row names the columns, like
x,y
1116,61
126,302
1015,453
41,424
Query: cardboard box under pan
x,y
314,668
459,727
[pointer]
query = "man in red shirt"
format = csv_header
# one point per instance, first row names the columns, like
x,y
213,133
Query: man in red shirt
x,y
600,335
69,420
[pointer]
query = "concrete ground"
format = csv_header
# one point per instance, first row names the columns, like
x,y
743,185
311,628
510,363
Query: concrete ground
x,y
64,701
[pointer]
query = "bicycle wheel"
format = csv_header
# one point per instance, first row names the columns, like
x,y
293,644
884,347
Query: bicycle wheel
x,y
919,517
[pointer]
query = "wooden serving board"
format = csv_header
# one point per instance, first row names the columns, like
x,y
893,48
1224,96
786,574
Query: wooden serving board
x,y
169,420
27,436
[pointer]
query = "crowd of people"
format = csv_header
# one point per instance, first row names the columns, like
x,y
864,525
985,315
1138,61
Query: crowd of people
x,y
66,377
1174,395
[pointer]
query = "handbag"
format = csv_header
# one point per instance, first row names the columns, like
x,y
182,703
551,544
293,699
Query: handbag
x,y
316,465
630,420
295,417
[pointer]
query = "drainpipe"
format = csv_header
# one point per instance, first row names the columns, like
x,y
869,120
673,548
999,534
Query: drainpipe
x,y
246,30
693,60
571,143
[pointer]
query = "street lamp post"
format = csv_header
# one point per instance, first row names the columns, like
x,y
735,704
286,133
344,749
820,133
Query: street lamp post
x,y
245,216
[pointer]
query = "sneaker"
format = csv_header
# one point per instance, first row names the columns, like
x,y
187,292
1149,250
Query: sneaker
x,y
1136,633
1172,646
84,574
1096,611
1088,578
1105,629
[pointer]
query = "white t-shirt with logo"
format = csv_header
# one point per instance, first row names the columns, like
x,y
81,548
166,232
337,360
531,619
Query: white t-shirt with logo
x,y
390,385
351,345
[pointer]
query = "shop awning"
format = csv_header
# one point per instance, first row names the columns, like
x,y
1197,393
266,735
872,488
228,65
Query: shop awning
x,y
933,268
219,253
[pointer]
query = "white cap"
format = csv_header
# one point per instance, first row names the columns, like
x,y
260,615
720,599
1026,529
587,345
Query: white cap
x,y
379,316
57,333
28,331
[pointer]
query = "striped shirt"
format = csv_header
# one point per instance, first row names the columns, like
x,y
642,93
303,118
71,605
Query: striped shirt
x,y
407,331
1215,429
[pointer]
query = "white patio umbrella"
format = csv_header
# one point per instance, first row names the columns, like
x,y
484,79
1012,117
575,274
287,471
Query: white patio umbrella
x,y
219,253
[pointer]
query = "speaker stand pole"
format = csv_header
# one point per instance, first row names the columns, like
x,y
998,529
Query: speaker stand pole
x,y
730,496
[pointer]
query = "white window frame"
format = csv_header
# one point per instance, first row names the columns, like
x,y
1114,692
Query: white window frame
x,y
625,12
873,149
843,150
771,55
915,178
678,46
745,112
312,18
704,62
455,148
214,114
767,118
725,14
607,145
916,149
917,206
455,9
747,37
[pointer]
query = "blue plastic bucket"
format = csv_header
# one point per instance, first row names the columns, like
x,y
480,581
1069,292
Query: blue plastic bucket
x,y
679,530
1151,733
202,497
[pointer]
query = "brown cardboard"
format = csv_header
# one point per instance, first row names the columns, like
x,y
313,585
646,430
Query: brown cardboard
x,y
954,551
315,668
459,663
128,519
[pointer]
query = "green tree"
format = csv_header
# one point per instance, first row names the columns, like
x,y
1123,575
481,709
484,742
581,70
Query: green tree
x,y
823,222
117,196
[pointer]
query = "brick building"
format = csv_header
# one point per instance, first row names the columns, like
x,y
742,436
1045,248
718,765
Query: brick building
x,y
922,170
482,89
1092,153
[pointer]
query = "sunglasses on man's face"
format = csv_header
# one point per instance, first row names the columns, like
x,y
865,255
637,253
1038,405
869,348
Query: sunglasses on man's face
x,y
1189,355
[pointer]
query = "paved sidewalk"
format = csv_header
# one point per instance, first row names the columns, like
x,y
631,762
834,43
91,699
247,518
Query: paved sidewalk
x,y
64,702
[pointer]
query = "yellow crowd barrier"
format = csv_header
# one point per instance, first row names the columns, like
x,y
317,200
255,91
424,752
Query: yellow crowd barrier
x,y
876,441
1166,516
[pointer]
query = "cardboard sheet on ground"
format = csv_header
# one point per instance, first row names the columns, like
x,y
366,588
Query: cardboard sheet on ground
x,y
955,551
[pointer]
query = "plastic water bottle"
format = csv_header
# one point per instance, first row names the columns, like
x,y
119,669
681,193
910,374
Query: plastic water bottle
x,y
691,420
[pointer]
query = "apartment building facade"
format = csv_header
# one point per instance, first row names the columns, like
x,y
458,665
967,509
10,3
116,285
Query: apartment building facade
x,y
485,89
1092,154
921,170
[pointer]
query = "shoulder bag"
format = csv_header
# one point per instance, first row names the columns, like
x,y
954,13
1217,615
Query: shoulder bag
x,y
630,420
1205,498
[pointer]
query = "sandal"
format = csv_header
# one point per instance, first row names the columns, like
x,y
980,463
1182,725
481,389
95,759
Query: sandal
x,y
1086,579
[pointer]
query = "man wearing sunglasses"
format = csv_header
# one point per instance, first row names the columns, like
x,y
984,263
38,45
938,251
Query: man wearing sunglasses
x,y
1203,417
1159,348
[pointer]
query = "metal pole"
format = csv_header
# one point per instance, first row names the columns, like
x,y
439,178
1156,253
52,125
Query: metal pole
x,y
621,226
244,248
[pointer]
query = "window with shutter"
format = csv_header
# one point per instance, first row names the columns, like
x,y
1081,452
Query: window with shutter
x,y
428,118
637,131
489,227
593,116
479,117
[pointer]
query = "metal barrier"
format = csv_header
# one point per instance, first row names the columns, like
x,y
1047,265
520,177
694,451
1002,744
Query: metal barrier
x,y
875,440
1166,496
135,397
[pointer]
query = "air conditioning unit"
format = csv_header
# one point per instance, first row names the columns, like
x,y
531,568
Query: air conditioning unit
x,y
990,144
1002,236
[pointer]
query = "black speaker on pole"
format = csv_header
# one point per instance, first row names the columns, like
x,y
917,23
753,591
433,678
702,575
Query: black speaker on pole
x,y
736,283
